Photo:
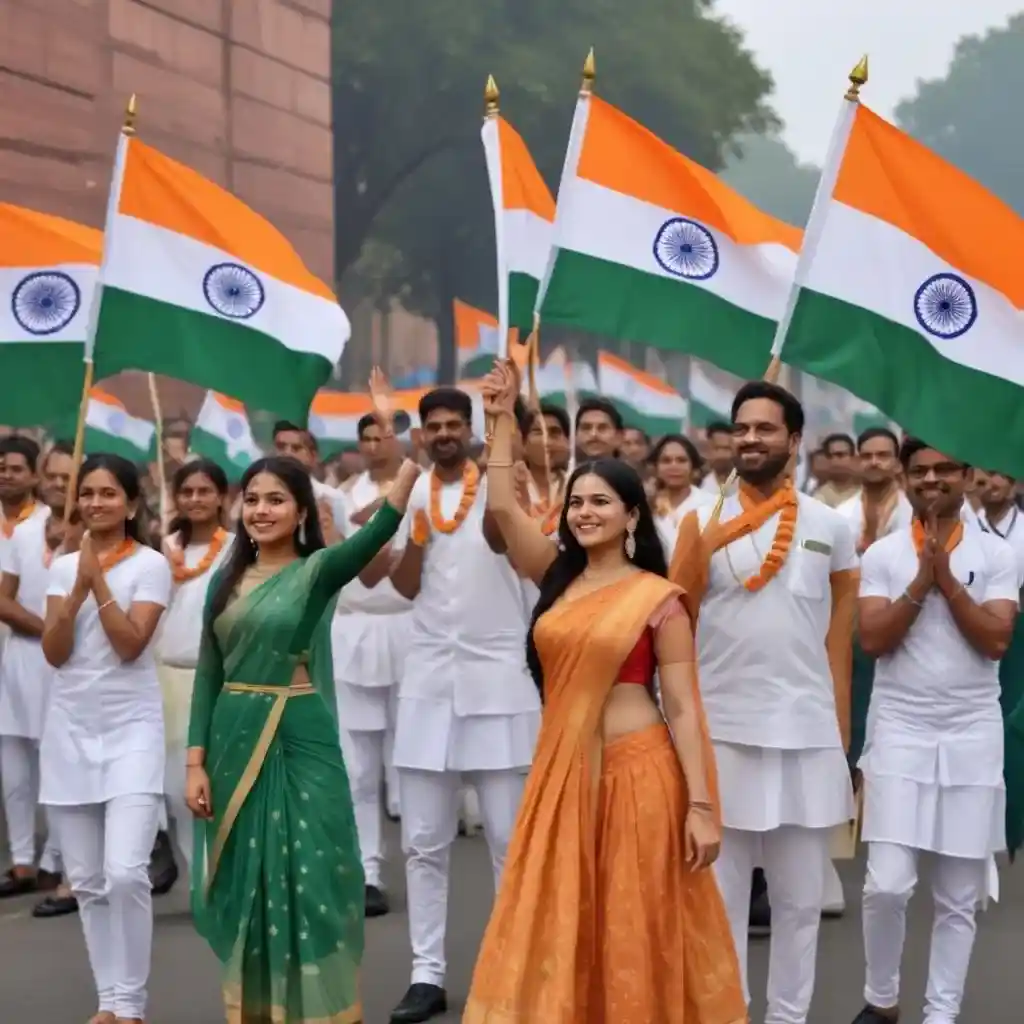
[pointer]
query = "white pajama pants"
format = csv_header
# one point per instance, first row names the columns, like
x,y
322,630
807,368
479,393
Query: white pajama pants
x,y
19,775
430,823
364,754
958,885
794,860
106,849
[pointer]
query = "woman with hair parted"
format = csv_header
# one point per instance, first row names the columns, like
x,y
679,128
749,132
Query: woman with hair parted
x,y
196,546
676,463
606,913
102,753
278,886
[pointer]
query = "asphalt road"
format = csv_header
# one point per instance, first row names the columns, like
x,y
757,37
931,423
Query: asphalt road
x,y
45,976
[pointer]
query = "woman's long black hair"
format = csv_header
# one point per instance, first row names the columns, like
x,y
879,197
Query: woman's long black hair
x,y
180,524
572,558
127,476
308,537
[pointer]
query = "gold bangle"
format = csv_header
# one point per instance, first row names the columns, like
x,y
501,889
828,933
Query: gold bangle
x,y
499,465
106,604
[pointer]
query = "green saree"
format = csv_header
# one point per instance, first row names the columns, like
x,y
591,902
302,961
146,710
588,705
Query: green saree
x,y
278,887
1011,698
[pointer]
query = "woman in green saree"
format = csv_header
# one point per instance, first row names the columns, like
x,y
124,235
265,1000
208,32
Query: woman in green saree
x,y
278,883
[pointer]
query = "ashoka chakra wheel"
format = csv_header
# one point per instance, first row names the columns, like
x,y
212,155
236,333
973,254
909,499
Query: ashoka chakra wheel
x,y
233,291
45,302
945,306
686,249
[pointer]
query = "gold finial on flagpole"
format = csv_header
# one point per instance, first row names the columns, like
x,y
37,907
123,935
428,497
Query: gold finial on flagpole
x,y
858,78
589,74
130,113
491,97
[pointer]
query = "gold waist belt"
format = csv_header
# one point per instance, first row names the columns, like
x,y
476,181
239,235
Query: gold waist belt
x,y
271,691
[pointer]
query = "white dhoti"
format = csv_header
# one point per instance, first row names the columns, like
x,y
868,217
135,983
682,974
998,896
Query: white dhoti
x,y
778,809
176,687
106,855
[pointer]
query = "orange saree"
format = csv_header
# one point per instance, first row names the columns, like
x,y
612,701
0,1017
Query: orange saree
x,y
598,920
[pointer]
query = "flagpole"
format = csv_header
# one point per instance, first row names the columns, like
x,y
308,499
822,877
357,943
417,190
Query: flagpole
x,y
858,78
127,131
158,437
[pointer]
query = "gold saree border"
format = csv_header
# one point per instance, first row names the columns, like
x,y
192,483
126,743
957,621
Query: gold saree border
x,y
278,1014
252,770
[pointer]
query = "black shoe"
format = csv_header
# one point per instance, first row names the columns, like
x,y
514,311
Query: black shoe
x,y
869,1015
419,1004
377,902
163,870
55,906
760,909
12,885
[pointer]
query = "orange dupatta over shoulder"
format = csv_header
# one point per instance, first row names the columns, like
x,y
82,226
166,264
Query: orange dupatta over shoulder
x,y
537,961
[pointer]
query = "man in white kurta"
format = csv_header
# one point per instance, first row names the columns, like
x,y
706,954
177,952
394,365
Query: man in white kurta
x,y
368,638
766,678
939,615
467,709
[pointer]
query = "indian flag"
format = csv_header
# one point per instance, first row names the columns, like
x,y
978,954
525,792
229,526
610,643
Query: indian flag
x,y
651,247
476,339
524,214
564,381
110,428
48,270
195,285
334,415
911,294
222,433
644,401
710,401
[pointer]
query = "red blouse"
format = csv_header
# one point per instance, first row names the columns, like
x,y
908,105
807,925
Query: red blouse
x,y
641,662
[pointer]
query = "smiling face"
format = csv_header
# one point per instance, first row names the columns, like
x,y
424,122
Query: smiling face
x,y
935,484
198,499
446,436
270,513
103,504
763,444
17,477
674,468
595,514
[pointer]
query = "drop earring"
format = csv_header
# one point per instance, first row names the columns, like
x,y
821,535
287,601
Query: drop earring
x,y
630,541
302,532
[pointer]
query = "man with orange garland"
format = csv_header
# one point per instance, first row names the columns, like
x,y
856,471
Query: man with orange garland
x,y
467,706
775,575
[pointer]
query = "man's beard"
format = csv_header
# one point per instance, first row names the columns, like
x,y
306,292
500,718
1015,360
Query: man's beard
x,y
448,460
772,468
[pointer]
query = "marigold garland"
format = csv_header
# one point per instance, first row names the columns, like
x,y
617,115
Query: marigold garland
x,y
420,532
470,486
547,516
10,524
124,550
917,532
176,556
784,500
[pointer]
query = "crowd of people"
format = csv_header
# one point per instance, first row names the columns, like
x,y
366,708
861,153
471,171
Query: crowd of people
x,y
663,677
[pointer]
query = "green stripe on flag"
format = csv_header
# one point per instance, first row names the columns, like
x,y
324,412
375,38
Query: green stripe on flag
x,y
41,383
139,333
631,305
965,413
522,297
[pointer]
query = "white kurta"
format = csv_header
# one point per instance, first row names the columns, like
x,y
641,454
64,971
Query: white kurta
x,y
368,636
25,674
335,498
900,519
1011,529
466,700
104,731
933,758
765,677
668,524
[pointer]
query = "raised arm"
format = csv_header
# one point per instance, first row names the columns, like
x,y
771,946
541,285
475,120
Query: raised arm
x,y
340,564
529,550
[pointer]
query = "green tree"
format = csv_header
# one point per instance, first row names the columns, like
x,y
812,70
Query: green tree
x,y
767,172
408,102
966,117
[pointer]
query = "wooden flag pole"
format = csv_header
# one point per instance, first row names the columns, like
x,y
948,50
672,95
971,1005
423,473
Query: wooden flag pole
x,y
78,455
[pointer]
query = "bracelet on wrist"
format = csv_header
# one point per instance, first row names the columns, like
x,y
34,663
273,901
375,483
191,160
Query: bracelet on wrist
x,y
913,600
502,464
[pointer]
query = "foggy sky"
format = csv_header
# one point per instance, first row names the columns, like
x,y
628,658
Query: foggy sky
x,y
810,46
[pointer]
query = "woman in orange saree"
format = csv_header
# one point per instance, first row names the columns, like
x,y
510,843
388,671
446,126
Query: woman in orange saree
x,y
606,913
